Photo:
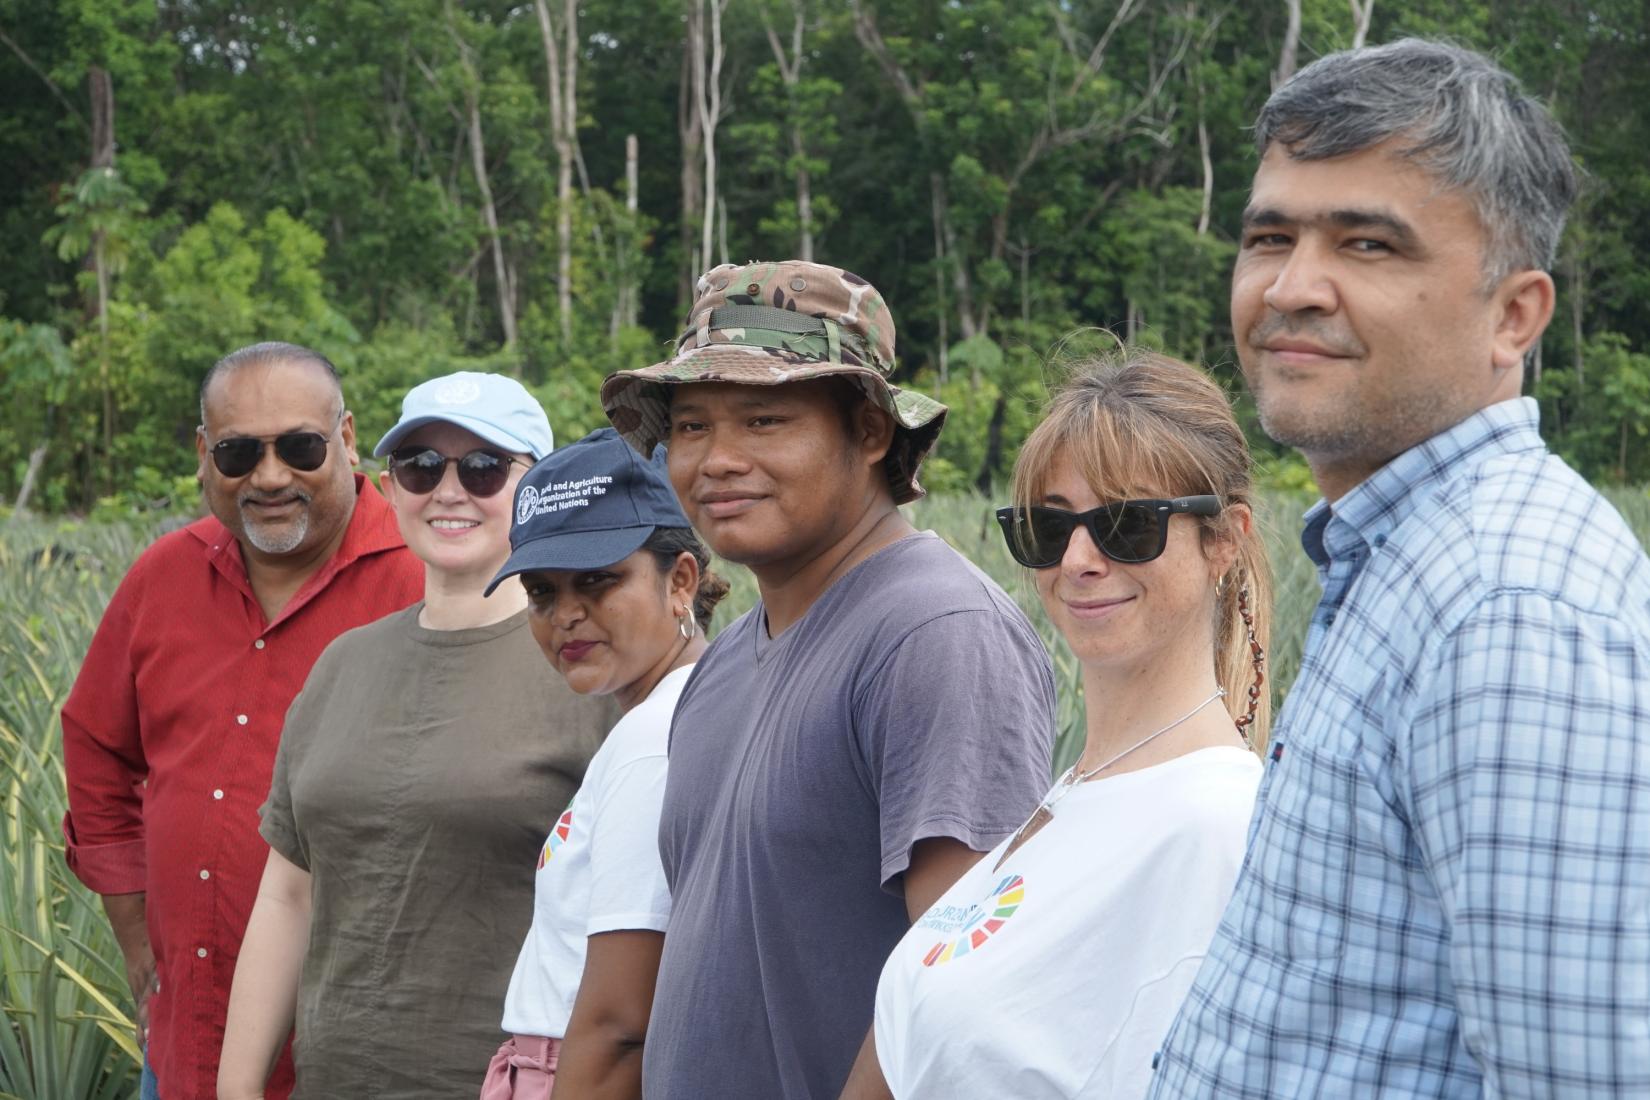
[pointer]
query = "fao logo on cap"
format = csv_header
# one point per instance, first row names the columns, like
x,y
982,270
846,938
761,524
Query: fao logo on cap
x,y
526,502
457,391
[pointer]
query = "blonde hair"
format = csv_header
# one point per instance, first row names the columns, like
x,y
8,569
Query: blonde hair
x,y
1134,423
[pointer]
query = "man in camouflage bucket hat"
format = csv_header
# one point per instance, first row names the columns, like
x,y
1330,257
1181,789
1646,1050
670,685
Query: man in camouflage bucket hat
x,y
838,326
849,747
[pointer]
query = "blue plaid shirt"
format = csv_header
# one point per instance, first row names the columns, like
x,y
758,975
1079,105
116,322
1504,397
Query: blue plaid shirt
x,y
1447,890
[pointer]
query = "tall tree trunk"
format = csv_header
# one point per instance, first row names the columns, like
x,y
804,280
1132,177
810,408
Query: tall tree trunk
x,y
478,157
721,230
993,445
709,86
1291,43
102,91
790,73
936,192
940,198
478,164
1025,286
1208,173
1578,310
37,458
1362,12
804,201
625,301
691,137
561,81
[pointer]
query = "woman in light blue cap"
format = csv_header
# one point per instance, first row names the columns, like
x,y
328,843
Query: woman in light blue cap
x,y
417,773
619,595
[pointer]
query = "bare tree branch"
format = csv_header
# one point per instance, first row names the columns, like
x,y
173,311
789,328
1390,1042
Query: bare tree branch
x,y
1291,43
28,62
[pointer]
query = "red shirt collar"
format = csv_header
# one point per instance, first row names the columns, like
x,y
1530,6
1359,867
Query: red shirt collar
x,y
372,530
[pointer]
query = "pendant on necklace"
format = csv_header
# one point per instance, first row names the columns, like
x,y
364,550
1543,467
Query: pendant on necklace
x,y
1041,816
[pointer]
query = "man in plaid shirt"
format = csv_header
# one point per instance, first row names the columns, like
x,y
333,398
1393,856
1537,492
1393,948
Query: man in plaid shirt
x,y
1447,892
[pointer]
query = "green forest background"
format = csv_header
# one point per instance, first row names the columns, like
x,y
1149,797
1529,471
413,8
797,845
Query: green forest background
x,y
416,186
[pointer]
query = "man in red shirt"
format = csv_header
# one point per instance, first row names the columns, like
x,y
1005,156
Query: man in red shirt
x,y
169,735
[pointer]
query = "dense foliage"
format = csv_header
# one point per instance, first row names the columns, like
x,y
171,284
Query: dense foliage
x,y
416,185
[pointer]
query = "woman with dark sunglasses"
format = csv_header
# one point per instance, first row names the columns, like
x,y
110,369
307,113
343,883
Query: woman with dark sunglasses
x,y
1054,967
417,773
619,595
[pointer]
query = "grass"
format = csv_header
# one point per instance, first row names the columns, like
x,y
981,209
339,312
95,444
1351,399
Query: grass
x,y
67,1033
62,984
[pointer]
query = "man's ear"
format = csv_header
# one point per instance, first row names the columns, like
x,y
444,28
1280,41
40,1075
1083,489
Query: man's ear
x,y
346,428
873,431
200,453
1526,305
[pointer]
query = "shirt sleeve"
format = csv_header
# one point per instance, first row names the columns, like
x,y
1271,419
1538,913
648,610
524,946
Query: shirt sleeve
x,y
103,758
627,879
1529,793
956,728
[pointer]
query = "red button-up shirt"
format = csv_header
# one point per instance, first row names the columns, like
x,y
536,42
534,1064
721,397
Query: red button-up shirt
x,y
169,741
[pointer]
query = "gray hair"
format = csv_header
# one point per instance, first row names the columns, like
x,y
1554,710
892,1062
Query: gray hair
x,y
271,351
1462,118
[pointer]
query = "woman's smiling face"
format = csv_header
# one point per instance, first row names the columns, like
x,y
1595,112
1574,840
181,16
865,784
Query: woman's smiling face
x,y
1110,611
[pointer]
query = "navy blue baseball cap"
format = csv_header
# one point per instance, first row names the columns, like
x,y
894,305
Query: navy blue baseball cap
x,y
588,505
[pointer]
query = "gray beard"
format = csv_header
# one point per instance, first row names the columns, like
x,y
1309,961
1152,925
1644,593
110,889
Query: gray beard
x,y
284,541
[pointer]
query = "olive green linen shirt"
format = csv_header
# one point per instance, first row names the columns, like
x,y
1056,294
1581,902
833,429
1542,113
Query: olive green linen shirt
x,y
419,771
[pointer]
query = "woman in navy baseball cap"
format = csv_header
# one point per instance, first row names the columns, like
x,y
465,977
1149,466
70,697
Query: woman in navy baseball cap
x,y
619,593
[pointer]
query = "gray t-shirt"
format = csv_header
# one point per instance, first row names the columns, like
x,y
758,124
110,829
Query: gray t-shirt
x,y
418,774
913,700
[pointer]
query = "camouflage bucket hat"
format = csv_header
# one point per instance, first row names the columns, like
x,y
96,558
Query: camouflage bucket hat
x,y
766,324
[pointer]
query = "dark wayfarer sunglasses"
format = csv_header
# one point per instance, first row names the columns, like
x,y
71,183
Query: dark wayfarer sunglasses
x,y
1129,531
240,455
420,469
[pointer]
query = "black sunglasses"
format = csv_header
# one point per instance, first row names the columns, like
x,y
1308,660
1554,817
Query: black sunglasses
x,y
240,455
1130,531
481,473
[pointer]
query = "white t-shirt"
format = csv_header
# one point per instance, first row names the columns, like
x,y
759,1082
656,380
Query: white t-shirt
x,y
599,869
1058,974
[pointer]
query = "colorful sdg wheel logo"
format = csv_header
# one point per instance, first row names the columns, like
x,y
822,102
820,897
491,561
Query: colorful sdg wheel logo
x,y
557,837
982,921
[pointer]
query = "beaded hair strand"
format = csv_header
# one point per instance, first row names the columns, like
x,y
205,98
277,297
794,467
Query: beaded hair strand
x,y
1259,655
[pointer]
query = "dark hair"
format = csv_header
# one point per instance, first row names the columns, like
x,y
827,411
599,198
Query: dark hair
x,y
271,351
1458,115
665,544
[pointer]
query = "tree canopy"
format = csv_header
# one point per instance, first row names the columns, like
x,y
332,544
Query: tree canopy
x,y
416,186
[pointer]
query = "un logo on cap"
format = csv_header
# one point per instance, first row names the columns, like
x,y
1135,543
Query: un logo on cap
x,y
526,502
457,391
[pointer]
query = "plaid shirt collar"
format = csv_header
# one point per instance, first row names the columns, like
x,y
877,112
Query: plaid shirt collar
x,y
1361,521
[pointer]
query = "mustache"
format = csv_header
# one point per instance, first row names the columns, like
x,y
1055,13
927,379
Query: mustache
x,y
252,496
1277,324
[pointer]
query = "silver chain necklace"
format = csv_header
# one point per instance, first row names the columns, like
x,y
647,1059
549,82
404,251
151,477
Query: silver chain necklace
x,y
1044,813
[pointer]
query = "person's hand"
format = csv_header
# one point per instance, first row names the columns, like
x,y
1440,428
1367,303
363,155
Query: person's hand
x,y
127,919
145,983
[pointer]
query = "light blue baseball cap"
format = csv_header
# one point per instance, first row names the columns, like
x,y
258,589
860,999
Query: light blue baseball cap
x,y
497,408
